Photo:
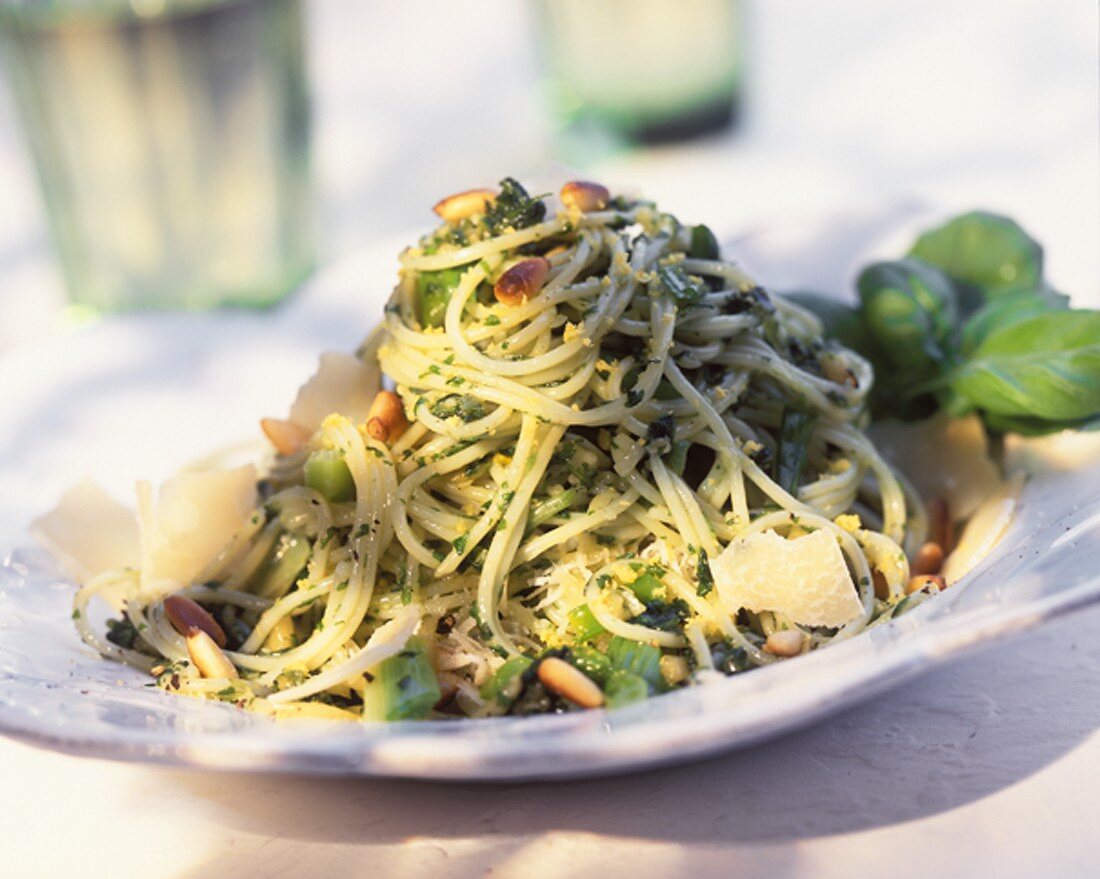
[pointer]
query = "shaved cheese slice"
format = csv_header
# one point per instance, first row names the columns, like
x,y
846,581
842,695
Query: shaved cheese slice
x,y
943,457
89,532
984,530
343,383
805,579
191,519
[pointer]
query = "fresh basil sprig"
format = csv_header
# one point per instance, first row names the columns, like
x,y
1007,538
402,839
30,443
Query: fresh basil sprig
x,y
967,323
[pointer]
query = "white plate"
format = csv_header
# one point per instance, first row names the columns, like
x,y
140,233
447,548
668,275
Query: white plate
x,y
137,397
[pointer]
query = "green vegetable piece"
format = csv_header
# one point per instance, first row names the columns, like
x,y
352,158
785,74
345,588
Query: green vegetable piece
x,y
677,457
841,322
513,208
624,688
498,684
985,250
433,292
121,632
665,391
703,573
703,243
910,312
327,472
409,687
584,624
1045,366
547,509
593,663
1005,309
795,432
637,658
283,567
648,588
679,286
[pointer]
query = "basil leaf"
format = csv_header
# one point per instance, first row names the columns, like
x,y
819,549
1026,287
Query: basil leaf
x,y
1044,366
513,208
841,322
796,429
679,286
704,245
1000,312
910,311
987,251
1035,426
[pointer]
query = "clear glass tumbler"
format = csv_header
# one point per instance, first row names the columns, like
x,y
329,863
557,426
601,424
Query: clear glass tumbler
x,y
171,140
641,71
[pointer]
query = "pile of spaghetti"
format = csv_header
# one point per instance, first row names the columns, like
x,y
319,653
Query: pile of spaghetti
x,y
583,460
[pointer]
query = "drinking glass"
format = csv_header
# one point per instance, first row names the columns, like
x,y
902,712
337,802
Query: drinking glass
x,y
171,142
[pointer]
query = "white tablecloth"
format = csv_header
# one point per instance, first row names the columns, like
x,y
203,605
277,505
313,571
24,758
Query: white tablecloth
x,y
990,767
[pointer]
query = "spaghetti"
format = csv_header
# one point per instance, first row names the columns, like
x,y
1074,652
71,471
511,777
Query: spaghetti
x,y
594,407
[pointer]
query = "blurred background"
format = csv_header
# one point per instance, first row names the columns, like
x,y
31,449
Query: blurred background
x,y
185,153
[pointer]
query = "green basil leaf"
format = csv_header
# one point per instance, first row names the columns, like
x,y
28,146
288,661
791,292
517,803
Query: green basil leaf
x,y
841,322
1007,308
985,250
910,311
1044,366
1035,426
795,431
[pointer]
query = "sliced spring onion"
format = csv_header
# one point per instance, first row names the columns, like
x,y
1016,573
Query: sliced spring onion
x,y
624,688
409,687
593,663
583,623
500,683
327,472
637,658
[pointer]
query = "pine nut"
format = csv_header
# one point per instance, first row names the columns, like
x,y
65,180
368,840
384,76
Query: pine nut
x,y
836,370
674,669
560,677
882,588
464,204
787,643
929,559
585,196
521,281
386,419
287,436
186,616
208,657
916,584
281,636
941,527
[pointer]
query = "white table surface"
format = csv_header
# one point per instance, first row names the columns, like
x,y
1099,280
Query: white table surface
x,y
989,767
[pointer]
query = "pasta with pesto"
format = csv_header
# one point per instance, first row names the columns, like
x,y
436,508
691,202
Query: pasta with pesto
x,y
584,459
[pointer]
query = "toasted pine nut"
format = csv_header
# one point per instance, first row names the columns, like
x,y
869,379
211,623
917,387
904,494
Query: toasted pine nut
x,y
186,616
281,636
929,559
835,368
787,642
916,584
882,588
464,204
560,677
208,657
386,419
585,195
674,669
521,281
287,436
941,527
